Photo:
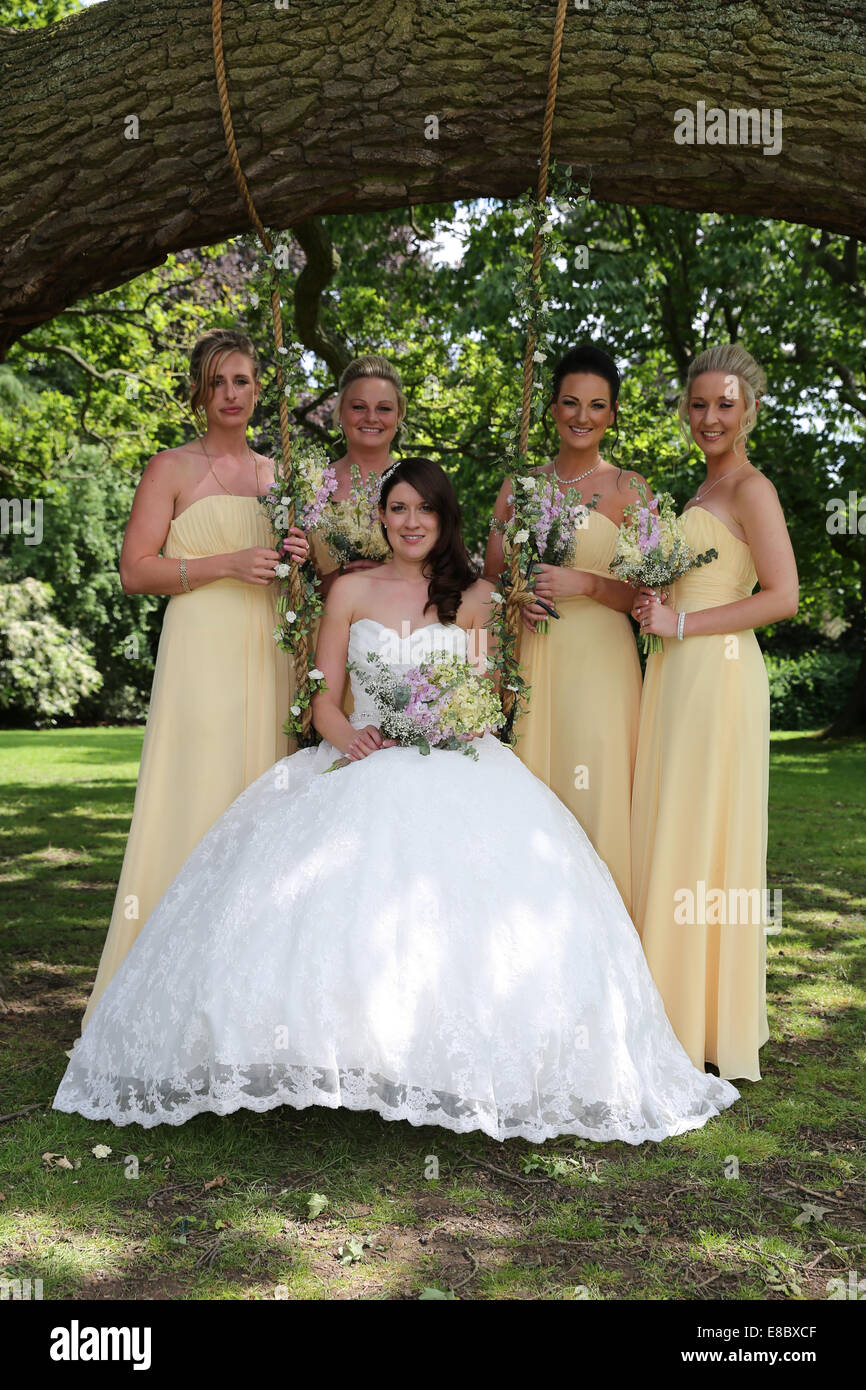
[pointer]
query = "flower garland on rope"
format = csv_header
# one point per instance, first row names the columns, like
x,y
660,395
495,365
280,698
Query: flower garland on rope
x,y
294,497
515,588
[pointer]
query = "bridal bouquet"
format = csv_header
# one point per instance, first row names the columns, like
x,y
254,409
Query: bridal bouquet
x,y
651,549
432,705
350,529
548,520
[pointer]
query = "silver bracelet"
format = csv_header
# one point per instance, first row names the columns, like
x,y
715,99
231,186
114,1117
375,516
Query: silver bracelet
x,y
184,582
681,622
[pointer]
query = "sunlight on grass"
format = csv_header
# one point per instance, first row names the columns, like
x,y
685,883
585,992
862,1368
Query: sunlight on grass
x,y
220,1207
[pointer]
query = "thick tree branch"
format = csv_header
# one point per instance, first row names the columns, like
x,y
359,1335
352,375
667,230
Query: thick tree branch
x,y
115,156
323,262
842,272
850,392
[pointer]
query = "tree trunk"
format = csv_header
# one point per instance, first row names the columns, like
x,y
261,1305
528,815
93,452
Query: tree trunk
x,y
336,105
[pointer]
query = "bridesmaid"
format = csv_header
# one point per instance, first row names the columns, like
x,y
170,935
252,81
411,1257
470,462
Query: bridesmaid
x,y
370,409
579,733
221,686
700,794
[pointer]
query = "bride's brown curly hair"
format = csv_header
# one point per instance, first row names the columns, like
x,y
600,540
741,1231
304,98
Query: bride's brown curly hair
x,y
448,567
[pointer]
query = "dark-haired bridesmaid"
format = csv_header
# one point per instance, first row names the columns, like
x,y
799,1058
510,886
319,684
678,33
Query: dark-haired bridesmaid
x,y
579,734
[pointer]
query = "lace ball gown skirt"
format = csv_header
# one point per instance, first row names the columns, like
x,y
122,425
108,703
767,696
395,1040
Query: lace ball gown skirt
x,y
429,937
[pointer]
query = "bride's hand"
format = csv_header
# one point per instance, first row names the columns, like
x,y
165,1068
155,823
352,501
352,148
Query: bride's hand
x,y
366,741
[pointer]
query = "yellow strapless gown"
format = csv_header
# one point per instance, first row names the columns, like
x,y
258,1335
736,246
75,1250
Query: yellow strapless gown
x,y
579,734
221,691
699,818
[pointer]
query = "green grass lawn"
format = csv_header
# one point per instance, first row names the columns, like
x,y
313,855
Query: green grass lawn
x,y
766,1202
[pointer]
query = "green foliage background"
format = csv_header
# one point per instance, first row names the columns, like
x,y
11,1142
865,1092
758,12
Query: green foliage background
x,y
87,398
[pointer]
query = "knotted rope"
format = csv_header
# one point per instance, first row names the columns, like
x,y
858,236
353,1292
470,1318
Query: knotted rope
x,y
518,589
302,650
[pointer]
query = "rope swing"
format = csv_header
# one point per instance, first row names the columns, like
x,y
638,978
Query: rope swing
x,y
519,592
302,649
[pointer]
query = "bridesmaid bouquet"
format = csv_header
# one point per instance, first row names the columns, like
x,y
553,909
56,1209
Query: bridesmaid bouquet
x,y
350,529
548,520
313,481
652,550
432,705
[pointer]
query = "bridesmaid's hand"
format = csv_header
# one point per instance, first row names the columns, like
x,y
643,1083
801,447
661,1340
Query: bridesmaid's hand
x,y
642,593
649,610
359,565
295,546
253,566
644,599
366,741
558,581
532,613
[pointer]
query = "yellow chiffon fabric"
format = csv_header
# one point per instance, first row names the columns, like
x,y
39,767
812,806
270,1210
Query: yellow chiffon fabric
x,y
699,818
221,692
579,735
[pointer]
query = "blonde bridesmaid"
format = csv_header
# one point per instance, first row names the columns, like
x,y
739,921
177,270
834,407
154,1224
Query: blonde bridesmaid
x,y
370,409
579,734
221,688
700,795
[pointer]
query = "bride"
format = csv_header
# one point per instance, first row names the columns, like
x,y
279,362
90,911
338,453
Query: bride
x,y
429,937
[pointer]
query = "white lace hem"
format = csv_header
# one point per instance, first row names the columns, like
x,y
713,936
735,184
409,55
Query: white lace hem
x,y
264,1087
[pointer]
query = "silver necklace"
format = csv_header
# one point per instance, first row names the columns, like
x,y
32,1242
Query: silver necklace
x,y
699,495
569,482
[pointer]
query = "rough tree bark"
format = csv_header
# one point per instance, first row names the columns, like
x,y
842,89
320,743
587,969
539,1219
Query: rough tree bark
x,y
335,102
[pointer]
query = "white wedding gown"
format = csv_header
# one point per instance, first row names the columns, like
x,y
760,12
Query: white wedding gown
x,y
429,937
